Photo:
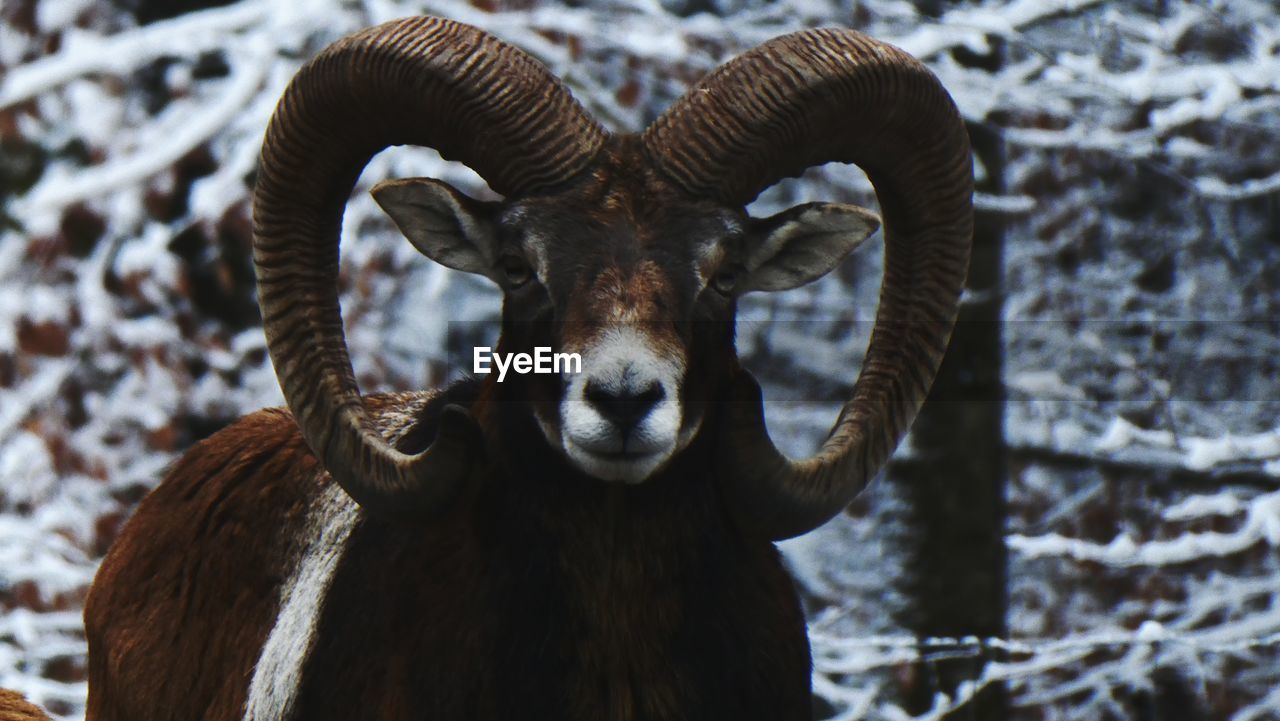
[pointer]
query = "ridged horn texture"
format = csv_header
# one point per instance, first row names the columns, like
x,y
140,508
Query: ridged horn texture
x,y
802,100
421,81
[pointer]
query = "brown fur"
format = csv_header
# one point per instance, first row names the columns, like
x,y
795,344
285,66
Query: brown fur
x,y
544,595
551,596
186,596
13,707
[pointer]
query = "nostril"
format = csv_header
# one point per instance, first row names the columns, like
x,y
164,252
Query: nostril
x,y
625,406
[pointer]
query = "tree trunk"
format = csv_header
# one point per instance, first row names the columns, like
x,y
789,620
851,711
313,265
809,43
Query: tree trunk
x,y
953,485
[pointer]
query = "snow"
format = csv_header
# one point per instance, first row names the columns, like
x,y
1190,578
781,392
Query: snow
x,y
1207,452
1254,188
84,52
1261,525
172,136
27,468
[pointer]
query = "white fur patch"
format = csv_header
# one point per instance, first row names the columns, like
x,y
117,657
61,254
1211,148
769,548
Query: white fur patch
x,y
278,673
622,360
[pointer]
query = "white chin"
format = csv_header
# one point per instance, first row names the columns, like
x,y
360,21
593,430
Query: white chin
x,y
615,467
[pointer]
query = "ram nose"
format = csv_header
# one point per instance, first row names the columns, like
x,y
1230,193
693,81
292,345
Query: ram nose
x,y
624,406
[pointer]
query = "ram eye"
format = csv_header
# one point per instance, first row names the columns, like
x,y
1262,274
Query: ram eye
x,y
516,271
725,280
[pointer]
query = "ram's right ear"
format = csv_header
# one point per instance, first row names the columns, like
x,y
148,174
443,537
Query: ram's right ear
x,y
447,226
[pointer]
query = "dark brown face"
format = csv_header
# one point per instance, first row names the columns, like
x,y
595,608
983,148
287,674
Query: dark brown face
x,y
640,291
634,280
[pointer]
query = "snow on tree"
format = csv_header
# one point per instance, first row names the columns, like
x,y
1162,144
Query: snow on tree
x,y
1140,207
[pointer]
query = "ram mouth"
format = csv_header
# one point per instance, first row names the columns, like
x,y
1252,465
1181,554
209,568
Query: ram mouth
x,y
624,456
622,466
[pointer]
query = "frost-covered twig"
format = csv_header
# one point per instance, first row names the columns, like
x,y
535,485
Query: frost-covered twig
x,y
1261,525
971,26
160,146
84,53
1025,659
836,654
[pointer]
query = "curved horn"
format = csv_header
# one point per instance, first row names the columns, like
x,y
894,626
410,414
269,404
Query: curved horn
x,y
802,100
422,81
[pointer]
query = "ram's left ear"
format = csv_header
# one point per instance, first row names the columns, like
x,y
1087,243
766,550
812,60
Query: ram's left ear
x,y
802,244
443,223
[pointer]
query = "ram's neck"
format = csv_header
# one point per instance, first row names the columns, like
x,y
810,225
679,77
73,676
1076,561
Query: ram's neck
x,y
624,578
559,596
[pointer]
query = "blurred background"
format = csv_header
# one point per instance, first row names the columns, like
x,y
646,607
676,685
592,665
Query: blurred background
x,y
1085,521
